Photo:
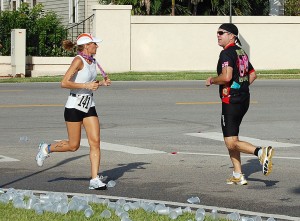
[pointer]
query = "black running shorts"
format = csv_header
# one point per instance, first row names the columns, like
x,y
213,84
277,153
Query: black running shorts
x,y
74,115
232,116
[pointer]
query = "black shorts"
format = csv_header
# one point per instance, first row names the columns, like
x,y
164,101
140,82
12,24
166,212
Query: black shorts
x,y
232,116
74,115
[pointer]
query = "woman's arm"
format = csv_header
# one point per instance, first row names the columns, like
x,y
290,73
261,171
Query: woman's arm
x,y
75,66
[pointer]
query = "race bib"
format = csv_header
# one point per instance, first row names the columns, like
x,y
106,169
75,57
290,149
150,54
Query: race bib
x,y
83,102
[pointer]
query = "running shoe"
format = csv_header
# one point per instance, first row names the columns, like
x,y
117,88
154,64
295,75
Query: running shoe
x,y
42,154
97,184
266,160
239,181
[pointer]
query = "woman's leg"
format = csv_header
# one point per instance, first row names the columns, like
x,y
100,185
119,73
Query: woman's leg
x,y
92,128
74,135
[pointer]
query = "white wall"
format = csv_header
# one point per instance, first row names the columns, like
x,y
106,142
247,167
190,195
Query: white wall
x,y
178,43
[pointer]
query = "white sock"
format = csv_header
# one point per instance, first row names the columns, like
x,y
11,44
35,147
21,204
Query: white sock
x,y
259,153
236,175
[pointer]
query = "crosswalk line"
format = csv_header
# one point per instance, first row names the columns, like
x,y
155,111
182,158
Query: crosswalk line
x,y
123,148
7,159
256,142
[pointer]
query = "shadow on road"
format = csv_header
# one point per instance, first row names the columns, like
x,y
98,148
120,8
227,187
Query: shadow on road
x,y
253,166
113,174
41,171
119,171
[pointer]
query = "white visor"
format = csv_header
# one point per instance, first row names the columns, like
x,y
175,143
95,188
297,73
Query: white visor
x,y
86,38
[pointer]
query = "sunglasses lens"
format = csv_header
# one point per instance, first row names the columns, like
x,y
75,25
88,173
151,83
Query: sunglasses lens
x,y
220,32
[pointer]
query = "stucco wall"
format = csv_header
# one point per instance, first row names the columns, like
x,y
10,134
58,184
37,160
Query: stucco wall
x,y
190,43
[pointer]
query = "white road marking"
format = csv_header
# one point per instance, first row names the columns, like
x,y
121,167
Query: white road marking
x,y
7,159
123,148
226,155
256,142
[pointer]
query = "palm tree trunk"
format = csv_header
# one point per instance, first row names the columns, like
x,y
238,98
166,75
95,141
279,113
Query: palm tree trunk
x,y
195,9
173,7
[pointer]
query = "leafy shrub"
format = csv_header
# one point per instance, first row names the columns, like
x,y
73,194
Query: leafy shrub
x,y
44,31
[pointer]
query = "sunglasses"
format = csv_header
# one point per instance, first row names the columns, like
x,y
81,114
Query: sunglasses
x,y
222,32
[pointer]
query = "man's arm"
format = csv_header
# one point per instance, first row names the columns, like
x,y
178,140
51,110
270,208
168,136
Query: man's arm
x,y
222,79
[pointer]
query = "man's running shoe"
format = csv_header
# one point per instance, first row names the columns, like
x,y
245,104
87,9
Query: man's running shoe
x,y
42,154
239,181
97,184
266,160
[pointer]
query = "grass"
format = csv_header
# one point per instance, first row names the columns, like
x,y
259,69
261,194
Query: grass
x,y
159,76
8,213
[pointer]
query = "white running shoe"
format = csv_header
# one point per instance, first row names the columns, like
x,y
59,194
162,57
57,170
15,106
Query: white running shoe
x,y
240,181
97,184
266,160
42,154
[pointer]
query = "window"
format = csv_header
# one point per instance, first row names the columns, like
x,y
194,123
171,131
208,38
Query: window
x,y
15,4
73,11
33,3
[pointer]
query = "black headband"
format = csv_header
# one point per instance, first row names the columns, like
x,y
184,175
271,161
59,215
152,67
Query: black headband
x,y
232,29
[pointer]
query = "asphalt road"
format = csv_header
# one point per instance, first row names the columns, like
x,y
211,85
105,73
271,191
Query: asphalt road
x,y
160,142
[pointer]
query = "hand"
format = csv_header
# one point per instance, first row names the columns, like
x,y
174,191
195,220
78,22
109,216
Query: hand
x,y
208,82
106,82
92,85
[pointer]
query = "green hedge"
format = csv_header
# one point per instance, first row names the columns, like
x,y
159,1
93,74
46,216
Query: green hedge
x,y
44,31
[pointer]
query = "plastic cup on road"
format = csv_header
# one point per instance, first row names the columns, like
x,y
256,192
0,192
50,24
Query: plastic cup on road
x,y
200,211
151,207
38,209
124,215
126,207
233,216
64,209
112,205
44,198
134,205
159,206
173,215
199,217
257,218
194,200
111,184
88,212
31,201
187,210
106,214
214,214
119,211
24,139
18,203
164,211
4,200
121,202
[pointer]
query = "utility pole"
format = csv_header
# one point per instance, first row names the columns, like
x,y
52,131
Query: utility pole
x,y
230,12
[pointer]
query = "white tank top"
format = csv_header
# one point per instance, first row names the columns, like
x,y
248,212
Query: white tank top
x,y
87,74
